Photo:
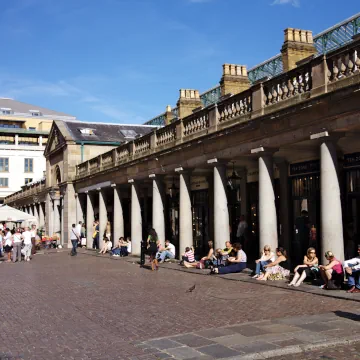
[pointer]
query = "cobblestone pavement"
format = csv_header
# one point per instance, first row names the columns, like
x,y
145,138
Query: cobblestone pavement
x,y
61,307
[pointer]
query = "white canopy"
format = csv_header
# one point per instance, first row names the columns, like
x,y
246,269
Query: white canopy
x,y
9,214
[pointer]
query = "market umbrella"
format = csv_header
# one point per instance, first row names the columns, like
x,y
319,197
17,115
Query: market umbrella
x,y
9,214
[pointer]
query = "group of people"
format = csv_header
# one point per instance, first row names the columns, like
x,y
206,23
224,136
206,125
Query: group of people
x,y
18,242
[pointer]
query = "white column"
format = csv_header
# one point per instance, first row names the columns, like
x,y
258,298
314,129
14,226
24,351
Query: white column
x,y
31,211
158,207
41,216
89,221
136,221
221,211
79,209
102,216
267,208
56,217
118,221
331,213
185,218
49,216
36,214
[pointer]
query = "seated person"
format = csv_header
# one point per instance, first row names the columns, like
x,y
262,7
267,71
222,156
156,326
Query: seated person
x,y
123,244
128,240
106,245
117,249
188,255
332,271
205,261
167,253
236,264
308,269
352,270
275,271
266,258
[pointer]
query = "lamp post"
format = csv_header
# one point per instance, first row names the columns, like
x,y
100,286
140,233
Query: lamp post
x,y
234,201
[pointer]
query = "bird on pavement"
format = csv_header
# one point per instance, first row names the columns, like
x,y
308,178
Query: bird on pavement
x,y
191,289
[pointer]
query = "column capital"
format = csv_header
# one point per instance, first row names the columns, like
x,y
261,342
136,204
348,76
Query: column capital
x,y
113,186
325,136
263,151
217,162
181,170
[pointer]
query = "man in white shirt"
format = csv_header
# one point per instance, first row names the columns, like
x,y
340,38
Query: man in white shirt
x,y
352,270
74,237
168,252
26,236
33,236
78,228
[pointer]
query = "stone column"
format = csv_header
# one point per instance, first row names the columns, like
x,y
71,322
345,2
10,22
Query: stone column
x,y
90,218
102,216
185,217
49,210
136,221
79,209
56,217
118,221
267,207
36,214
31,211
285,207
221,211
68,213
331,213
41,216
158,207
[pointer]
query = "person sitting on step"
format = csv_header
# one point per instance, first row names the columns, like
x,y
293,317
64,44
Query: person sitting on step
x,y
275,271
352,269
235,264
332,273
167,253
205,261
309,268
266,258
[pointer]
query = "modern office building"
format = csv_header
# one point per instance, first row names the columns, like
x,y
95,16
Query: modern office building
x,y
24,131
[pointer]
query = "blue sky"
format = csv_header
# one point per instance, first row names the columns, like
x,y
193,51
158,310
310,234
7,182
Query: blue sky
x,y
125,60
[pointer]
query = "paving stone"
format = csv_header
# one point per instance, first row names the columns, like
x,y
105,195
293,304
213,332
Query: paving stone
x,y
192,340
213,333
248,330
311,337
218,351
288,342
232,340
184,352
316,327
256,347
163,344
279,328
345,324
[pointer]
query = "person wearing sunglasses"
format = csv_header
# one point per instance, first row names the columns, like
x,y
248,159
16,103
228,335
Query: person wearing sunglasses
x,y
308,269
333,272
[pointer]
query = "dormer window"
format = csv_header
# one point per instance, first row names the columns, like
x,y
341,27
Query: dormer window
x,y
35,112
6,111
87,131
129,134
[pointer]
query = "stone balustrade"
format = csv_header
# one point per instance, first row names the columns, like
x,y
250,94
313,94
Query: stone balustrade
x,y
196,122
107,160
166,135
343,64
32,190
254,102
288,85
239,104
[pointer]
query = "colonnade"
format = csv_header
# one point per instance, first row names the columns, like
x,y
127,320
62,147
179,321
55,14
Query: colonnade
x,y
331,216
37,210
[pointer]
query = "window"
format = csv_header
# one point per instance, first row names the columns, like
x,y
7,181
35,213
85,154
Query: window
x,y
32,128
35,112
28,165
6,111
28,180
129,134
4,182
87,131
4,164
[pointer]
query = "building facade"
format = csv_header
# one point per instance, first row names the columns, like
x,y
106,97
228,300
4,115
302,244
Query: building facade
x,y
24,131
283,151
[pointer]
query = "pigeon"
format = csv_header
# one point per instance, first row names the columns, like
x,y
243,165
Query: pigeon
x,y
191,289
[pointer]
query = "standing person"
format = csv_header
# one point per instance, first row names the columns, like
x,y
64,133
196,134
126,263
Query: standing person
x,y
240,233
96,235
83,235
33,236
1,243
17,245
8,244
78,229
152,248
108,230
74,237
26,236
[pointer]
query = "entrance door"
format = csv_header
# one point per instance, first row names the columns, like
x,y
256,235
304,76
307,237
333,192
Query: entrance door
x,y
200,216
306,216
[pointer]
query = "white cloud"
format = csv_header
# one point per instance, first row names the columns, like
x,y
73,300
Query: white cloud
x,y
295,3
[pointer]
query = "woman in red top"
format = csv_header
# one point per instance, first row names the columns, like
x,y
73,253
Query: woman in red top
x,y
332,271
